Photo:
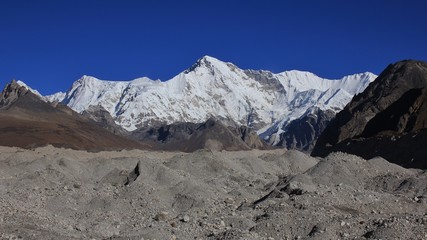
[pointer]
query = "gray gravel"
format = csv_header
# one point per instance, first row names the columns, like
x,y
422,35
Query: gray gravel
x,y
51,193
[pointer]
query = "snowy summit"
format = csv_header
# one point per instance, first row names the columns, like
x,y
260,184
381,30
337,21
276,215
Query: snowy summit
x,y
256,98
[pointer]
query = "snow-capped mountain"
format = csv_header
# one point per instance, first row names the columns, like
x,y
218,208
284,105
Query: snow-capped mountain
x,y
260,99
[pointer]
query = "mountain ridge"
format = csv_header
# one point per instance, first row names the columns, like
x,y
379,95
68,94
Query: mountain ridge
x,y
27,121
388,119
261,100
212,88
189,137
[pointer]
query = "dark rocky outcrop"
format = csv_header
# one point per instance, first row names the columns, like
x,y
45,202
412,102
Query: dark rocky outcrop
x,y
16,96
189,137
302,133
11,93
134,174
389,119
104,119
249,137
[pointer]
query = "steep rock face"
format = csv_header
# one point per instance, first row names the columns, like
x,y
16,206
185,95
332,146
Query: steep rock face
x,y
189,137
103,118
261,100
303,132
11,93
250,138
388,119
18,95
28,121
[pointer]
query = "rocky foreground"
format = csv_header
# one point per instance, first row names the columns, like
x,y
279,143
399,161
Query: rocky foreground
x,y
51,193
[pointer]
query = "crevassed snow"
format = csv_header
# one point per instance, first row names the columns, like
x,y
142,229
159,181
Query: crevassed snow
x,y
211,87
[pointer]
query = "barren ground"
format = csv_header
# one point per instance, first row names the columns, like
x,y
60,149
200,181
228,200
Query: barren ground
x,y
51,193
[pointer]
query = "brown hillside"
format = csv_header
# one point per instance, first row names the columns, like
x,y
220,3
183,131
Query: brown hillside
x,y
26,121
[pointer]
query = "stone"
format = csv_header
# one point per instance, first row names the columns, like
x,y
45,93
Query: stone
x,y
185,218
162,216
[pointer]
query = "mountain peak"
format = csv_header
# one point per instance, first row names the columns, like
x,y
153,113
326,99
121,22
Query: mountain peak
x,y
206,62
208,58
411,61
14,85
12,92
22,84
406,65
87,78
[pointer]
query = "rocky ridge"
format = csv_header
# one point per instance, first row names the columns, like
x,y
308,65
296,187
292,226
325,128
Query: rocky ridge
x,y
188,137
388,119
27,121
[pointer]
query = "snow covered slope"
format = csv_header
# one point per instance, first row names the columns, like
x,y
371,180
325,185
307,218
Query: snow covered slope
x,y
260,99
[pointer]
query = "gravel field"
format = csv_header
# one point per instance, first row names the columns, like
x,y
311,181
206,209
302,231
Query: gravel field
x,y
52,193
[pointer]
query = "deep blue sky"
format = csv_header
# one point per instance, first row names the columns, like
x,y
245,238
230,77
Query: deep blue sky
x,y
50,44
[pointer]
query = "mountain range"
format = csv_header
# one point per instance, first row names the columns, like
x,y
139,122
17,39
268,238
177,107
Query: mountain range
x,y
218,106
220,192
263,101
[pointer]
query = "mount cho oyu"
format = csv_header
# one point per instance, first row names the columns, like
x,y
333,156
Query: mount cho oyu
x,y
262,100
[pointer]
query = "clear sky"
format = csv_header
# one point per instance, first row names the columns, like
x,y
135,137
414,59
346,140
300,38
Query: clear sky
x,y
50,44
